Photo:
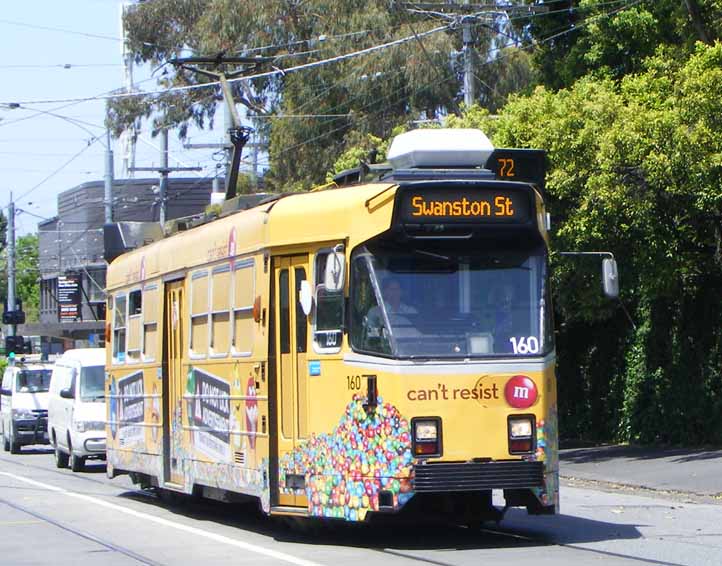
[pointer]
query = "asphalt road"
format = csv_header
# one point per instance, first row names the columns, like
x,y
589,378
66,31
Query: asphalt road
x,y
50,516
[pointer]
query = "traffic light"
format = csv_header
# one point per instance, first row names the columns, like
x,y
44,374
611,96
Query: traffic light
x,y
16,316
15,344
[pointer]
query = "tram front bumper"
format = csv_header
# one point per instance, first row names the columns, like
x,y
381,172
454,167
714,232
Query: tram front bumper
x,y
478,476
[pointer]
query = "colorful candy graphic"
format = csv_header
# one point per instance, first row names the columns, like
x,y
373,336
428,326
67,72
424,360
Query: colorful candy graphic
x,y
547,450
367,453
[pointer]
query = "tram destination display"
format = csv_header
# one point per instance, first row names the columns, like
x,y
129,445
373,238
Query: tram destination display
x,y
442,205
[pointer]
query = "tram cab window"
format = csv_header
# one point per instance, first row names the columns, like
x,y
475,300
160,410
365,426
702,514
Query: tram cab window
x,y
329,311
444,301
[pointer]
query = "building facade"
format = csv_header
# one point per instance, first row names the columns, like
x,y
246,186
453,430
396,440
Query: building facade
x,y
72,265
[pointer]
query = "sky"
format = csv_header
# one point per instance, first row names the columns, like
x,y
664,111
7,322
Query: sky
x,y
42,153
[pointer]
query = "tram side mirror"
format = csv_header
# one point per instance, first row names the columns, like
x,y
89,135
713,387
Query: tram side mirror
x,y
610,278
305,297
335,266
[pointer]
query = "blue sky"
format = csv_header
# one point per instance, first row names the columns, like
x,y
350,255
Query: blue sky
x,y
38,38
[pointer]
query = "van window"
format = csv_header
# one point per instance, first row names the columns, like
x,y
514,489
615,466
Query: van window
x,y
62,376
33,380
92,383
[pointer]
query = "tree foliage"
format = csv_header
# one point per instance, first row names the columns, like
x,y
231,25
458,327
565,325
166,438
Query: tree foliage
x,y
27,286
635,169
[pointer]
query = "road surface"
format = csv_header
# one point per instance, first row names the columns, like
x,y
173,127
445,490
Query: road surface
x,y
51,516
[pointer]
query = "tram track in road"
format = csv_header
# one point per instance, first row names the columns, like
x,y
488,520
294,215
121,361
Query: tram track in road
x,y
68,474
433,552
601,553
82,534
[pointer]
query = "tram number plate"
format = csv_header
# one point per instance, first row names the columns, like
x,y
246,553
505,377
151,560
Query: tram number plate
x,y
353,382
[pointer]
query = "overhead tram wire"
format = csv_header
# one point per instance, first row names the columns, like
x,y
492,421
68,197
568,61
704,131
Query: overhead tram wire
x,y
567,29
58,170
62,66
91,35
64,106
265,74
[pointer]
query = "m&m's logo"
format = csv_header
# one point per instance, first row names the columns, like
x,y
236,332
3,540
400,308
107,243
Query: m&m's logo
x,y
520,392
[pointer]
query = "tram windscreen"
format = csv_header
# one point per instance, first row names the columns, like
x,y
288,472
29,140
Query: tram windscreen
x,y
450,302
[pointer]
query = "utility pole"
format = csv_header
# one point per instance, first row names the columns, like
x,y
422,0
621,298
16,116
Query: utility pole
x,y
128,137
108,196
470,14
11,262
164,170
469,94
163,186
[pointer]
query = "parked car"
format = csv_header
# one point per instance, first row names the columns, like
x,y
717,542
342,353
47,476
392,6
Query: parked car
x,y
76,420
24,403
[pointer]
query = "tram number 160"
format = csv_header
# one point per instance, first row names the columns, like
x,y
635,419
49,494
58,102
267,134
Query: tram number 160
x,y
353,382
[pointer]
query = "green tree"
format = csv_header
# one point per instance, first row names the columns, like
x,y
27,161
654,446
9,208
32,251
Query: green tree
x,y
635,169
581,37
316,114
27,286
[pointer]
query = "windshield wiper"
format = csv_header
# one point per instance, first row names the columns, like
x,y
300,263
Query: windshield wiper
x,y
432,254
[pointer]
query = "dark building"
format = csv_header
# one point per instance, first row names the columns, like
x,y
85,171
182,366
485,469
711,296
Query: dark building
x,y
72,296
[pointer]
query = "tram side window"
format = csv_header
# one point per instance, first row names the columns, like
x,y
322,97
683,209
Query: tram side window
x,y
119,328
244,290
135,309
150,322
220,310
199,313
329,311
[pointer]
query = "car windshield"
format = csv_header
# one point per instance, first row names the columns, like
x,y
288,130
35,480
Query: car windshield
x,y
450,302
92,383
33,380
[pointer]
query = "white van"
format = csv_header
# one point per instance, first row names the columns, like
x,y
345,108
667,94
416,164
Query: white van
x,y
76,410
24,404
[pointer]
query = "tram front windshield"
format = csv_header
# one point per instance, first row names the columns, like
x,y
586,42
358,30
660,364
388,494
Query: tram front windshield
x,y
450,302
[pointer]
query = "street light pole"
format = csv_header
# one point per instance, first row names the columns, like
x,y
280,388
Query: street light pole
x,y
11,262
108,197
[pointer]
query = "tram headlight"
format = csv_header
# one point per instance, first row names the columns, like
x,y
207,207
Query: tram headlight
x,y
521,434
426,436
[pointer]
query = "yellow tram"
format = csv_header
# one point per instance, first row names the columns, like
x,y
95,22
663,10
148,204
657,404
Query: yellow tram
x,y
347,351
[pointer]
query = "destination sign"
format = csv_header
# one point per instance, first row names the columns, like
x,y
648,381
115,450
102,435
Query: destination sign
x,y
439,205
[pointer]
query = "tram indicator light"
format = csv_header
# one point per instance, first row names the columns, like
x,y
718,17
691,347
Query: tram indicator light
x,y
426,436
521,434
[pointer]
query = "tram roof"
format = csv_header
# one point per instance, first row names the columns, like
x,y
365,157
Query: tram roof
x,y
294,219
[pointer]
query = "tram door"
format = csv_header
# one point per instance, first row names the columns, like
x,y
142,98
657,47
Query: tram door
x,y
291,391
173,383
